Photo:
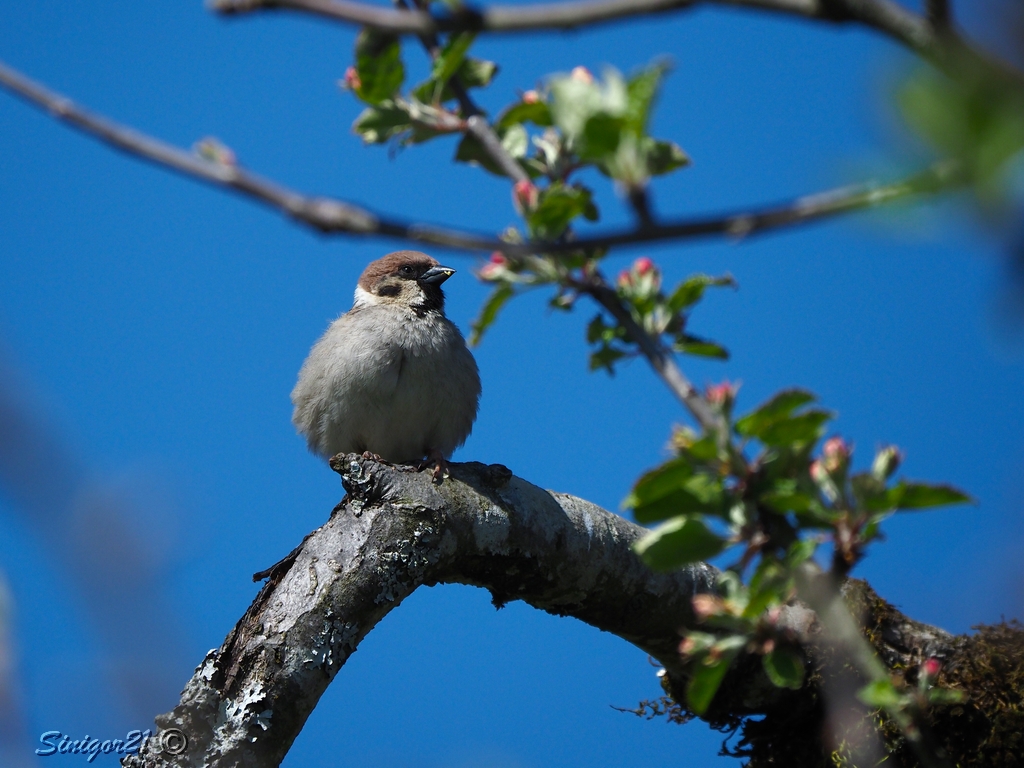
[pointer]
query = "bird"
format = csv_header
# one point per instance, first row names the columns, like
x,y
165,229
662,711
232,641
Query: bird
x,y
392,377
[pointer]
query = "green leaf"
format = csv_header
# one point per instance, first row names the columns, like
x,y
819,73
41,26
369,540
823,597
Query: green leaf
x,y
691,290
558,205
537,113
692,345
641,92
515,141
601,135
378,124
945,696
450,59
659,482
677,542
489,312
605,358
881,694
784,667
477,73
379,65
704,449
596,329
573,102
663,156
766,414
800,551
923,495
868,490
785,497
796,430
706,681
472,152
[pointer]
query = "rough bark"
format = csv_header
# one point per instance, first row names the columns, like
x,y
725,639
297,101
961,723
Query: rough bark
x,y
396,530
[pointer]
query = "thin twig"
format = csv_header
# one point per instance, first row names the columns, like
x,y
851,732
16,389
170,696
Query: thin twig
x,y
886,16
660,359
476,123
329,215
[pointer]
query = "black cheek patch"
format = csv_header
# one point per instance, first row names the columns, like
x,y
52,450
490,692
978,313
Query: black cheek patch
x,y
389,290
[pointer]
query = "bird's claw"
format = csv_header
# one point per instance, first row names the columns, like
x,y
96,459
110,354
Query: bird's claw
x,y
436,459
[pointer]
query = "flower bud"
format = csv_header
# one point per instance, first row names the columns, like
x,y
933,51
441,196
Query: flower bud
x,y
705,606
887,461
625,279
687,646
582,74
835,454
494,268
643,265
352,81
932,667
722,395
682,439
525,196
531,97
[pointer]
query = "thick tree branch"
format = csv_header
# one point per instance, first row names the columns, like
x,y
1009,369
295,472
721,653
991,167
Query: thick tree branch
x,y
332,216
398,531
939,14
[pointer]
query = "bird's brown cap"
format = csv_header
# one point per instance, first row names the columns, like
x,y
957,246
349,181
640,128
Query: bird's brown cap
x,y
391,264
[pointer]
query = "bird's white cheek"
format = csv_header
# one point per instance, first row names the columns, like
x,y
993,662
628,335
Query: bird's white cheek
x,y
364,298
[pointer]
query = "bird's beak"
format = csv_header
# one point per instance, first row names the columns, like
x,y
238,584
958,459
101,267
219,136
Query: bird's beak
x,y
436,275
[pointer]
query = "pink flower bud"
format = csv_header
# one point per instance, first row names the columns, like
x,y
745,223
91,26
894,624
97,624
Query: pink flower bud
x,y
498,258
582,74
932,667
525,196
835,454
687,646
721,395
352,81
707,605
643,265
531,97
625,279
818,473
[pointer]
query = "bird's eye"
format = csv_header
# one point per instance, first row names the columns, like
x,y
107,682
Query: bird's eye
x,y
407,270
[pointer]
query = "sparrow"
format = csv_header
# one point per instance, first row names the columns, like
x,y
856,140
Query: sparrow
x,y
392,376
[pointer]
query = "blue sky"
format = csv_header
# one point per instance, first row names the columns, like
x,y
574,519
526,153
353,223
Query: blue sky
x,y
151,329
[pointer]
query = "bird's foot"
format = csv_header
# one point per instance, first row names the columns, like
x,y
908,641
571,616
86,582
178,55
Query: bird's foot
x,y
436,459
374,456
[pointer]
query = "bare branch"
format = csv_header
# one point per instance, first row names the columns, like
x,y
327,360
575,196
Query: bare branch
x,y
499,18
886,16
397,532
331,216
927,35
